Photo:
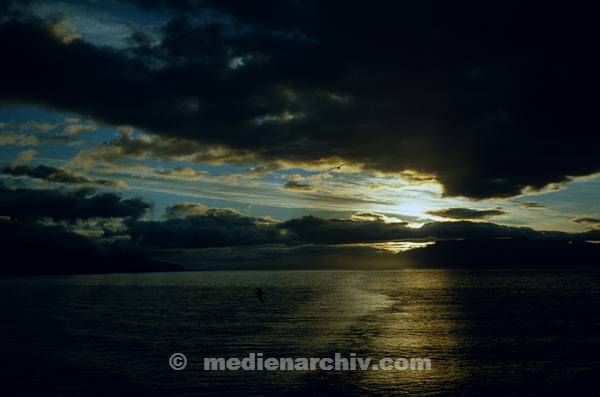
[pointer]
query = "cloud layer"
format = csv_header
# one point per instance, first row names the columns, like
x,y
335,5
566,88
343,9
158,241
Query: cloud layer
x,y
466,213
59,175
588,221
485,101
192,226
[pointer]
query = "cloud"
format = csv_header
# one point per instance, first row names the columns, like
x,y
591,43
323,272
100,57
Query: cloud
x,y
37,126
336,231
532,205
191,225
64,31
587,221
71,125
112,183
67,205
373,216
214,228
24,157
426,98
368,216
60,175
466,213
10,138
182,210
48,173
295,183
148,146
76,129
183,173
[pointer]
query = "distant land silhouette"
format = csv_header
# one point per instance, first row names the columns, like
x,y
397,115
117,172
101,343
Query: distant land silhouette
x,y
24,250
505,253
36,249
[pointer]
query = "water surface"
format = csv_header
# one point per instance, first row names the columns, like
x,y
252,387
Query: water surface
x,y
493,332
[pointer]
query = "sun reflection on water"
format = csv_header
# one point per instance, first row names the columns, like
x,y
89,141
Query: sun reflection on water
x,y
422,321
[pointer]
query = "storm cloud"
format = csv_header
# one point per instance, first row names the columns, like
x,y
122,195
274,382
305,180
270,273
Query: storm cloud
x,y
485,101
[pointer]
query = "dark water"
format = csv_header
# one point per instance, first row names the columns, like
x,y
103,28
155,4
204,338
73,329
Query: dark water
x,y
486,333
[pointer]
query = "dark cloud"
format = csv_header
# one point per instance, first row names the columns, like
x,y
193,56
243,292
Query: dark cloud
x,y
466,213
7,7
59,175
483,100
163,148
335,231
67,205
295,185
216,228
467,229
532,204
592,222
485,97
193,226
48,173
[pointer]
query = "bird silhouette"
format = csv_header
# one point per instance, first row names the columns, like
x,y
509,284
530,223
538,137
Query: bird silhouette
x,y
339,167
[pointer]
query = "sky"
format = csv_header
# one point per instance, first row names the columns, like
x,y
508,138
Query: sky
x,y
238,119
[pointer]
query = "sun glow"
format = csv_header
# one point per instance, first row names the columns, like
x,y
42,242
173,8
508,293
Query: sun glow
x,y
394,246
415,208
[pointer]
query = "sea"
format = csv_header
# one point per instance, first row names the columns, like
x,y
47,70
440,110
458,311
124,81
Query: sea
x,y
494,332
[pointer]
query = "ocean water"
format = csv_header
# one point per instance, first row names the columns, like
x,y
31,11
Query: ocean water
x,y
486,333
